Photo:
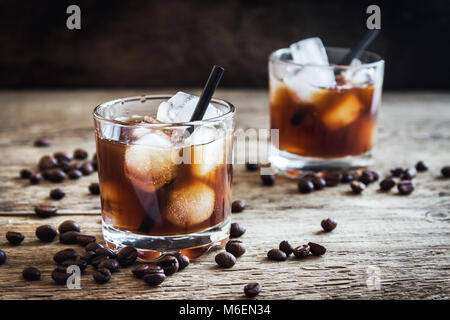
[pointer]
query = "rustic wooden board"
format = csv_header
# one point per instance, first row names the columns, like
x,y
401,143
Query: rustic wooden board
x,y
386,236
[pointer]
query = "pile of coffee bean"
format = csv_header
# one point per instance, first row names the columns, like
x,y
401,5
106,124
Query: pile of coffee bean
x,y
285,249
233,249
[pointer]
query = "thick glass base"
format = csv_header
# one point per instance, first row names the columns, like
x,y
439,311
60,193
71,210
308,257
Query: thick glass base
x,y
292,164
152,247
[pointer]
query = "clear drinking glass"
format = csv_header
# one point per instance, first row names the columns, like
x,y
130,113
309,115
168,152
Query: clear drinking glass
x,y
326,115
162,188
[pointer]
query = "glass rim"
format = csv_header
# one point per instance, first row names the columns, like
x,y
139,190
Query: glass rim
x,y
97,116
275,57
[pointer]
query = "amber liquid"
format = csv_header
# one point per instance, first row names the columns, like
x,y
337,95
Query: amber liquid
x,y
139,203
335,123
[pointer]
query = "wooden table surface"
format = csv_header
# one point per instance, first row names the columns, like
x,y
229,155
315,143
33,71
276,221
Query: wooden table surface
x,y
386,246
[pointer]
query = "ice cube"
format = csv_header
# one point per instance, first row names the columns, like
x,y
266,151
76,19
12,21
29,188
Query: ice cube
x,y
344,113
149,162
190,205
309,51
180,108
357,74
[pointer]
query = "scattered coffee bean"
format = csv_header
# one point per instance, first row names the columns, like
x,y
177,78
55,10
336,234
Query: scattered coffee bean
x,y
183,261
68,225
47,162
277,255
56,175
69,237
65,166
286,247
236,248
127,256
332,178
66,254
252,289
357,187
2,257
225,260
102,276
46,233
397,172
169,264
74,174
57,194
92,246
45,211
328,224
80,154
154,278
409,174
14,238
142,269
35,178
236,230
237,206
316,249
268,179
305,186
405,187
98,259
388,183
348,177
26,173
251,166
77,165
421,166
84,239
42,142
302,252
88,256
82,264
60,275
106,252
318,183
110,264
31,274
94,188
62,157
367,177
87,168
445,171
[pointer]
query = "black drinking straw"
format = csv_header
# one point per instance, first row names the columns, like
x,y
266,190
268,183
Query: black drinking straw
x,y
359,48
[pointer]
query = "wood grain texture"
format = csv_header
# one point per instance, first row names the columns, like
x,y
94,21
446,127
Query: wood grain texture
x,y
388,233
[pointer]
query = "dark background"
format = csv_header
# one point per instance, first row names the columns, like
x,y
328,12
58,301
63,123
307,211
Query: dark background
x,y
174,43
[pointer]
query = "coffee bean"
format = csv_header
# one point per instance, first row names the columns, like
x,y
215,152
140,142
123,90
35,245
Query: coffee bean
x,y
183,261
56,175
65,166
42,142
328,224
45,211
316,249
66,254
302,252
98,259
236,230
26,173
235,247
421,166
88,256
251,166
47,162
106,252
332,178
286,247
31,274
252,289
367,177
277,255
82,264
102,276
397,172
268,179
35,178
318,183
388,183
405,187
348,177
2,257
92,246
237,206
94,188
110,264
169,264
127,256
80,154
60,275
357,187
225,260
75,174
409,174
84,239
87,168
154,279
57,194
445,171
305,186
46,233
142,269
68,225
14,238
69,237
62,157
